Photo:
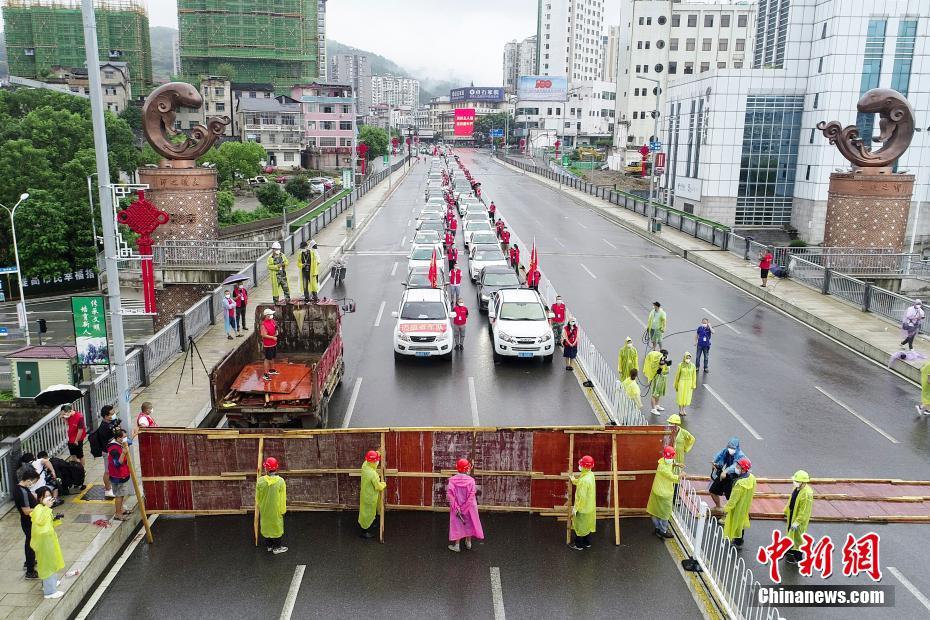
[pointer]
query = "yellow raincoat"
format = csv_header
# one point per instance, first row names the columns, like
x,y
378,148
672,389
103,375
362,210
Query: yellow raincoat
x,y
803,506
45,542
279,281
314,268
584,520
684,441
369,494
685,383
271,499
737,509
663,490
627,359
925,385
651,364
631,387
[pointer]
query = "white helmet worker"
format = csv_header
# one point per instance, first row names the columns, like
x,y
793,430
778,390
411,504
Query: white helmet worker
x,y
275,246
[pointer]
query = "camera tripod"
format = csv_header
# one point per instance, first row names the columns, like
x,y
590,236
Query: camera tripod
x,y
189,354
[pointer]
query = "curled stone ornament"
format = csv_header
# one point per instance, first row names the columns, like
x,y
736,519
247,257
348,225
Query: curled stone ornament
x,y
158,123
896,129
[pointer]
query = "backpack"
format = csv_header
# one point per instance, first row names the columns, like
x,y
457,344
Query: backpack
x,y
96,446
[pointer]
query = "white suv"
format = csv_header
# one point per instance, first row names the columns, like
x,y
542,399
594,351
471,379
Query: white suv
x,y
519,325
423,327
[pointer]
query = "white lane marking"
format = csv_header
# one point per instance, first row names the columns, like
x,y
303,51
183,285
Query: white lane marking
x,y
588,270
725,324
653,273
474,401
292,592
635,317
497,594
380,312
352,400
738,417
609,243
559,242
582,225
910,586
394,269
408,222
861,418
403,241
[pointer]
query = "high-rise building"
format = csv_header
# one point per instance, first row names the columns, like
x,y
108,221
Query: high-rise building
x,y
284,44
43,34
771,34
663,40
353,68
743,146
611,53
394,90
511,65
526,56
568,38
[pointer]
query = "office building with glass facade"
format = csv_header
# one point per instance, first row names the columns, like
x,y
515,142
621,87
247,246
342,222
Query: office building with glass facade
x,y
742,145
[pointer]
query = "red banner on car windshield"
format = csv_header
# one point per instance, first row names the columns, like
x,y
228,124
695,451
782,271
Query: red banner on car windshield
x,y
464,122
438,328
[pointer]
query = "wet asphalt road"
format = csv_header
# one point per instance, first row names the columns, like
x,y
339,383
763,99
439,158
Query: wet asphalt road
x,y
208,568
431,392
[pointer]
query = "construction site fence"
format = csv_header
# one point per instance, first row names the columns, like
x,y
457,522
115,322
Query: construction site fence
x,y
731,582
147,359
517,469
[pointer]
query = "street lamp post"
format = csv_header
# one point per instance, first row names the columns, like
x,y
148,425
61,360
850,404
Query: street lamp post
x,y
19,272
655,136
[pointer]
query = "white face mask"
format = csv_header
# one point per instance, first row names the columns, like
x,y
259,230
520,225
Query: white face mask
x,y
48,500
738,471
731,451
228,295
669,461
797,485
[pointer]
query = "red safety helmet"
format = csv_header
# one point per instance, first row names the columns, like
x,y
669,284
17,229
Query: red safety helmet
x,y
745,464
463,466
586,461
372,456
271,464
668,452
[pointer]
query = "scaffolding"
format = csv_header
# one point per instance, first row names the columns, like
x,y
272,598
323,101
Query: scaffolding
x,y
272,42
42,34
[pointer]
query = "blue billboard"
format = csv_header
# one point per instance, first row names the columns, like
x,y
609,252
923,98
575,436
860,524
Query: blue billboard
x,y
477,93
542,88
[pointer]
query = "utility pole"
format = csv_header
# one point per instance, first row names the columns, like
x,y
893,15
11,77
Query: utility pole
x,y
655,135
389,146
118,356
353,156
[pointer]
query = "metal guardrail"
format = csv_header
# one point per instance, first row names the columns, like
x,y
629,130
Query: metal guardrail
x,y
193,252
50,433
731,582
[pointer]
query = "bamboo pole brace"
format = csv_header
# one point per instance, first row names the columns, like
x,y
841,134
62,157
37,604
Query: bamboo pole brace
x,y
261,450
616,489
140,496
815,481
381,494
224,511
190,478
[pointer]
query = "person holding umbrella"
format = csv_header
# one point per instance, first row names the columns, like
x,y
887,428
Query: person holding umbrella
x,y
241,297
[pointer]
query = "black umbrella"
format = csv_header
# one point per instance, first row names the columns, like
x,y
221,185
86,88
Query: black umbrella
x,y
235,278
55,395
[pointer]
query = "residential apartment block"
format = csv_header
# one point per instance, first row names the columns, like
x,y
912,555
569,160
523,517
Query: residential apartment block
x,y
352,68
394,90
275,123
329,124
568,39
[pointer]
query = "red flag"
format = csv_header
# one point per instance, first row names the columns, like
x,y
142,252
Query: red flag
x,y
534,257
433,274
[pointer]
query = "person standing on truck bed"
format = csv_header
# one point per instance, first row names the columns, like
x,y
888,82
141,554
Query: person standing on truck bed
x,y
308,262
277,267
269,334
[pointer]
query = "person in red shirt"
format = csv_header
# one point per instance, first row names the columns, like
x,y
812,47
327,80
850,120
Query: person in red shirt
x,y
77,431
455,284
505,240
117,452
492,209
515,257
453,225
765,263
145,419
458,325
558,319
532,279
452,254
449,239
570,343
242,300
269,334
500,228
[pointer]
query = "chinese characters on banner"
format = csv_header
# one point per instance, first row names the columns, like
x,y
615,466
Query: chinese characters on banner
x,y
90,330
464,122
860,555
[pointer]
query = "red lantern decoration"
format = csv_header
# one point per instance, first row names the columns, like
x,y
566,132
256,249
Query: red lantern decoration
x,y
142,217
362,150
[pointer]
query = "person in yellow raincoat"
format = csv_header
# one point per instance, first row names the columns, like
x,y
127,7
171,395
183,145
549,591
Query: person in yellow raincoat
x,y
45,543
737,509
798,514
655,367
684,440
631,387
924,407
271,500
627,359
685,383
663,493
308,264
369,495
584,513
277,269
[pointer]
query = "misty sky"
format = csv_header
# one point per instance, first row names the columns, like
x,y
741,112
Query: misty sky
x,y
443,39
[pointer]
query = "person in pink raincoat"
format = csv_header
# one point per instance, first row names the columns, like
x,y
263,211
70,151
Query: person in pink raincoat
x,y
464,522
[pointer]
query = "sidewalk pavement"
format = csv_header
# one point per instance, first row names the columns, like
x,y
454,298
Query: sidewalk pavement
x,y
90,548
868,334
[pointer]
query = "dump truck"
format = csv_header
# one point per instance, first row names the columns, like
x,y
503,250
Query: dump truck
x,y
309,363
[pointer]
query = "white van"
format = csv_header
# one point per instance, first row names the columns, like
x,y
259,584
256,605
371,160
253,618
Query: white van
x,y
423,328
519,325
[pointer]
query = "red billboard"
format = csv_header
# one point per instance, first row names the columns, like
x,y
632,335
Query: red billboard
x,y
464,122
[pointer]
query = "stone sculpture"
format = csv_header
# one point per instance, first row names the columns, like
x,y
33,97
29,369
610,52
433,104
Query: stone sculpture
x,y
158,123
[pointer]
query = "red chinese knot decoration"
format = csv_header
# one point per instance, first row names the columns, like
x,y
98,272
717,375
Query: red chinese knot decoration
x,y
142,217
361,150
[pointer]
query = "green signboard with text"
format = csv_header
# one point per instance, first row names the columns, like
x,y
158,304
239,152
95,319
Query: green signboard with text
x,y
90,330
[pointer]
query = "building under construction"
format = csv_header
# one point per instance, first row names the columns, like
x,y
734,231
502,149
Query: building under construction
x,y
282,42
43,34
